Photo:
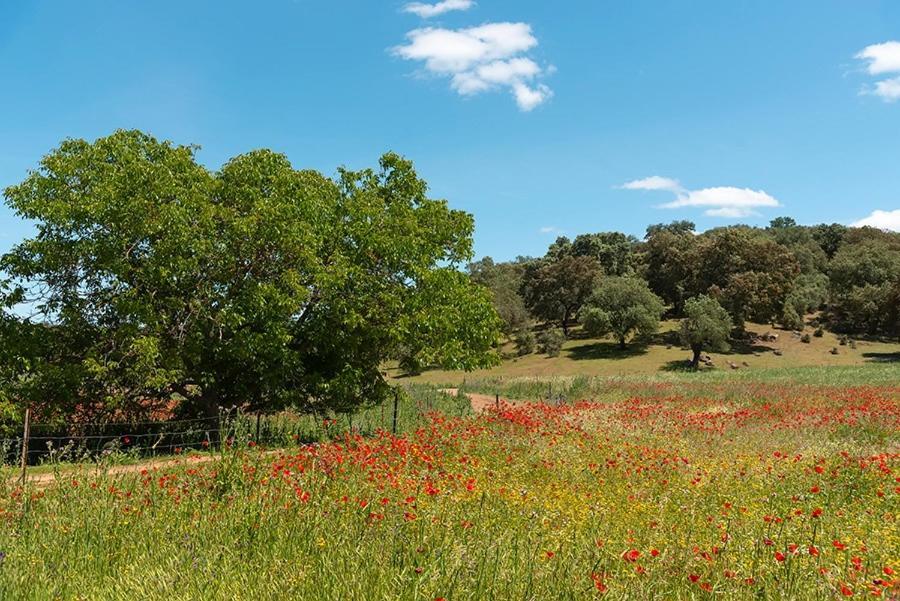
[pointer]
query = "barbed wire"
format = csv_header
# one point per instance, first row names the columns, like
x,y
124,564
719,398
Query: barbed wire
x,y
124,423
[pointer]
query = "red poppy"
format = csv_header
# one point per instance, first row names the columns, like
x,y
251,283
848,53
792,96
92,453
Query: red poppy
x,y
631,555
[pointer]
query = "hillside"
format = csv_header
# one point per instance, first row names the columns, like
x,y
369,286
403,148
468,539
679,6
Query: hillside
x,y
582,356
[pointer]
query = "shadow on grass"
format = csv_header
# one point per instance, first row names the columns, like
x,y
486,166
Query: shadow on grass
x,y
606,350
744,347
882,357
683,366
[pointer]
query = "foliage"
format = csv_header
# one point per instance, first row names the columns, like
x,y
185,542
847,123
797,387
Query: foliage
x,y
260,284
748,272
504,280
790,319
669,261
526,342
550,342
706,325
830,237
865,282
555,289
614,251
622,307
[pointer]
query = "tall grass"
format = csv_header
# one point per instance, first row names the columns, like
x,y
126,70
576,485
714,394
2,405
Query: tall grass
x,y
661,496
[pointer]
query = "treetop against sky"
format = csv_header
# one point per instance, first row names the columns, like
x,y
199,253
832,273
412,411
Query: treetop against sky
x,y
539,118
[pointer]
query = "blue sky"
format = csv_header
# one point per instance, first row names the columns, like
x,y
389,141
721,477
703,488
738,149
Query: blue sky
x,y
532,115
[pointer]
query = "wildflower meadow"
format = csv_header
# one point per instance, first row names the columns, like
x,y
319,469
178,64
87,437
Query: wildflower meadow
x,y
664,492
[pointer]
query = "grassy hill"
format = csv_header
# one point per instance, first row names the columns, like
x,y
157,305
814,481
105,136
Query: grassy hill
x,y
582,356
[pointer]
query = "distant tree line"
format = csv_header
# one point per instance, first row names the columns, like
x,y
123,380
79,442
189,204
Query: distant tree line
x,y
616,284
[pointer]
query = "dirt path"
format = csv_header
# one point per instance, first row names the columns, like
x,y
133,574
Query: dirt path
x,y
45,478
481,402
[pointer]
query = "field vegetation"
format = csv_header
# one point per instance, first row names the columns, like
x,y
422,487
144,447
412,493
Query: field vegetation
x,y
653,490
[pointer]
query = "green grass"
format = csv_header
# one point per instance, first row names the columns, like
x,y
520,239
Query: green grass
x,y
703,490
663,359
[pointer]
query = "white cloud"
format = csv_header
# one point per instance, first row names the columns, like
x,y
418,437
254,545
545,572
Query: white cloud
x,y
882,59
721,201
550,229
481,59
885,220
426,11
889,89
654,182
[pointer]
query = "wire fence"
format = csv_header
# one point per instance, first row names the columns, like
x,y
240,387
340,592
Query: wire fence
x,y
42,443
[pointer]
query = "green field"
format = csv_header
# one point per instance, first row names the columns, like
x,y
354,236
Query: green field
x,y
663,356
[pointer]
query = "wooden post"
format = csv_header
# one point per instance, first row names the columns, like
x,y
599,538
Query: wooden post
x,y
25,434
257,428
498,401
396,401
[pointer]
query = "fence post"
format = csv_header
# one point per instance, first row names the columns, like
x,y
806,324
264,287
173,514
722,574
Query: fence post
x,y
497,403
257,428
25,434
396,401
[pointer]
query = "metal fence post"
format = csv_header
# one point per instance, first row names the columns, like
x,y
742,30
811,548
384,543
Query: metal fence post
x,y
396,401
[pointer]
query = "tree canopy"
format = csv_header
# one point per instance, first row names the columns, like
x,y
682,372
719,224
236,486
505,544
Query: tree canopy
x,y
706,325
622,307
555,289
262,285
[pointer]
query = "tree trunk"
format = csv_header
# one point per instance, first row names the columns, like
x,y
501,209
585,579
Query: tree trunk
x,y
209,406
622,345
565,323
695,362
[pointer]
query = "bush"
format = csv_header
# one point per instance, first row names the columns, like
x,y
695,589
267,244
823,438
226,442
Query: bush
x,y
843,340
805,338
819,332
791,320
526,343
550,342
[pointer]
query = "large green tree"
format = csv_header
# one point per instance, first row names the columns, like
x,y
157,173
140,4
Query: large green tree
x,y
614,251
706,325
257,285
746,270
864,281
668,258
555,289
623,307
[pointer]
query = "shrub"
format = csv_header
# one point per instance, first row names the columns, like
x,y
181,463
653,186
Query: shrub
x,y
790,319
805,338
526,343
819,332
550,342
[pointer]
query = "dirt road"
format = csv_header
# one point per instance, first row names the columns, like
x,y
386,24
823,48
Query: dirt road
x,y
481,402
